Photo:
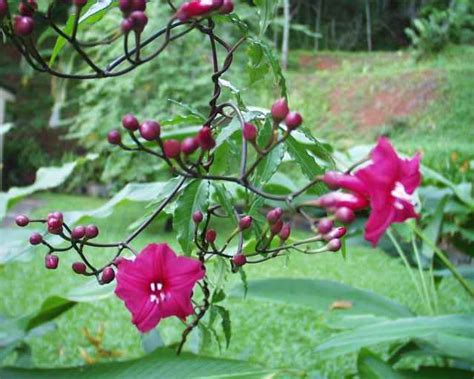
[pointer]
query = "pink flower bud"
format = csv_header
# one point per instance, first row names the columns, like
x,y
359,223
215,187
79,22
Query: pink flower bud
x,y
79,267
335,233
342,199
189,145
3,8
107,275
227,7
211,235
280,110
78,232
51,262
334,245
345,215
245,222
114,137
285,232
23,26
335,180
205,139
172,148
22,220
276,227
28,8
138,5
197,217
92,231
325,225
239,260
293,120
150,130
127,25
250,132
139,20
54,223
130,122
36,239
125,5
274,215
57,230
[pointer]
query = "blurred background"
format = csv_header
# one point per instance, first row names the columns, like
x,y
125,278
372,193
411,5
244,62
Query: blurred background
x,y
355,70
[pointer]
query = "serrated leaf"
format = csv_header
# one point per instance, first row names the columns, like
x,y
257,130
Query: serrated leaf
x,y
225,323
194,197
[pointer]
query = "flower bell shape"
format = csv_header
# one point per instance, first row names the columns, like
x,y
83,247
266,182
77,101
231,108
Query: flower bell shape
x,y
157,284
197,8
390,182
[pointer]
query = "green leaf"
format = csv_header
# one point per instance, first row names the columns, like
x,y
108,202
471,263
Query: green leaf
x,y
397,330
50,309
320,295
163,364
433,229
450,346
266,10
224,199
46,178
225,323
370,366
194,197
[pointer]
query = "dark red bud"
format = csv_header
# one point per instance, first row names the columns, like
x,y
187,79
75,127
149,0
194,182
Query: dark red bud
x,y
280,110
172,148
127,25
276,227
285,232
107,275
250,132
92,231
345,215
150,130
325,225
80,3
22,220
138,5
139,20
274,215
335,233
293,120
205,139
211,235
78,232
114,137
51,262
79,267
28,8
245,222
54,223
334,245
189,145
23,26
227,7
57,215
197,217
331,179
36,239
125,5
3,8
239,260
130,122
58,230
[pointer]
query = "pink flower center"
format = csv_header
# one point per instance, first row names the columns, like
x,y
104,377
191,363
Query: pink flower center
x,y
157,294
400,193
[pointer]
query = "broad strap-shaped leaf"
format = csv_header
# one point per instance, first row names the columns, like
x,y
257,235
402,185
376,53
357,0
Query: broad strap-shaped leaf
x,y
398,330
194,197
322,295
162,364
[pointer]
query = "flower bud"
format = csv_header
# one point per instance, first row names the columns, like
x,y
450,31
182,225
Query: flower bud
x,y
150,130
345,215
78,232
56,231
189,145
23,26
125,5
172,148
250,131
79,267
335,233
114,137
139,20
56,215
276,227
22,220
138,5
36,239
127,25
130,122
280,110
197,217
285,232
205,139
335,180
227,7
245,222
28,8
274,215
3,8
92,231
334,245
107,275
54,223
325,225
211,235
239,260
342,199
293,120
80,3
51,261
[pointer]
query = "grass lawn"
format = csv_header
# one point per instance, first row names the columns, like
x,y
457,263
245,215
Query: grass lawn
x,y
275,335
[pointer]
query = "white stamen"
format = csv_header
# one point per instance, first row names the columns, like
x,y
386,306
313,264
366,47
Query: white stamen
x,y
154,299
153,287
159,286
400,193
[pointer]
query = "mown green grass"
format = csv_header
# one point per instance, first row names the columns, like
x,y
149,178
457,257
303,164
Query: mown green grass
x,y
274,335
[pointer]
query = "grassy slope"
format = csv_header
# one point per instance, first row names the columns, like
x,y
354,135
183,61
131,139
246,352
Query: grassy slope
x,y
275,335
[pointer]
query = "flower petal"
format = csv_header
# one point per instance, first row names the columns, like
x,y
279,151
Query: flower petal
x,y
177,305
183,272
379,220
410,175
148,317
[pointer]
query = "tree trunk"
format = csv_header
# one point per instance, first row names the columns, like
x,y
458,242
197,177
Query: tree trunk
x,y
369,25
318,23
286,34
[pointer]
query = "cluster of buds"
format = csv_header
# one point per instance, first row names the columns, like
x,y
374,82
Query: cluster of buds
x,y
203,8
134,17
23,24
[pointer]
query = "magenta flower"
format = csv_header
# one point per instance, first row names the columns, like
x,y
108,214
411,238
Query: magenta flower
x,y
157,284
388,183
